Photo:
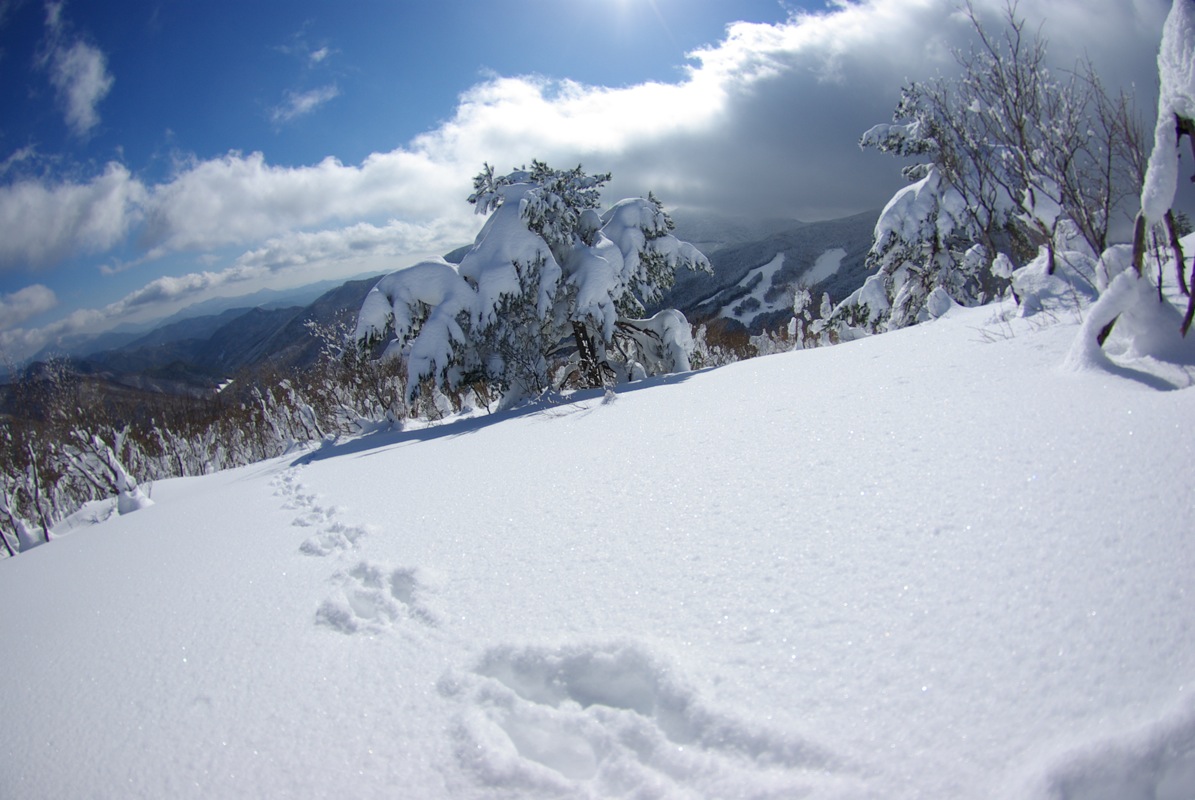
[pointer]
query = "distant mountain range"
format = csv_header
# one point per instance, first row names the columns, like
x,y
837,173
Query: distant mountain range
x,y
80,345
199,352
756,265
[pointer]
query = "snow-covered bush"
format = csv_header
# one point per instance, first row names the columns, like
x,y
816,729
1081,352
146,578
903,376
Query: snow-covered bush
x,y
96,461
550,294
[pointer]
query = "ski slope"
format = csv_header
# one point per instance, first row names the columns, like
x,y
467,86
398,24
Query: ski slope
x,y
927,564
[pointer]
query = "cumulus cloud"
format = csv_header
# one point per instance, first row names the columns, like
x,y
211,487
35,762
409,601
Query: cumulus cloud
x,y
240,199
25,304
78,71
362,244
44,223
300,104
766,121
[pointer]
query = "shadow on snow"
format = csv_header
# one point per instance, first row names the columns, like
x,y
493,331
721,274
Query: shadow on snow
x,y
580,401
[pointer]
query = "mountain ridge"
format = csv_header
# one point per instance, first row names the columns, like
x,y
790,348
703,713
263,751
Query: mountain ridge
x,y
194,352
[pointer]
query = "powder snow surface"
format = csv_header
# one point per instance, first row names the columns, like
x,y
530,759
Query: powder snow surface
x,y
929,564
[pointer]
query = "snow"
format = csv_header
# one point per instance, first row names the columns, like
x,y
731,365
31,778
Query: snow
x,y
1076,275
933,563
915,210
759,281
939,302
1145,330
431,287
1176,96
826,265
505,239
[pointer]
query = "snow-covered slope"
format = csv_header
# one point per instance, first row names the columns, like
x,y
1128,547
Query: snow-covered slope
x,y
927,564
754,278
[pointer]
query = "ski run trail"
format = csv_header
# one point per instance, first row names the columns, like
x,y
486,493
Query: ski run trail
x,y
929,564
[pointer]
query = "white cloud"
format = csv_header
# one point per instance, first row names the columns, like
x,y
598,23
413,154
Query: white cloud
x,y
44,224
300,104
767,121
19,157
80,74
21,343
25,304
240,199
389,244
78,71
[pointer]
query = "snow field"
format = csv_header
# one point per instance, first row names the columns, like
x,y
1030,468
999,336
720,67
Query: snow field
x,y
926,564
762,278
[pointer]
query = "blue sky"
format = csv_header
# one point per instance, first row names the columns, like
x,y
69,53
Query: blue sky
x,y
154,154
203,78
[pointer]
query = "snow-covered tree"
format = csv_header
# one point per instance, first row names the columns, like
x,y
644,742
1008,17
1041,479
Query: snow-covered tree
x,y
1176,119
551,292
26,535
96,461
799,326
1008,153
1132,304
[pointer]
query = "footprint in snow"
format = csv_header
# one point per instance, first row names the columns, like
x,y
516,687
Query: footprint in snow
x,y
372,598
330,535
615,720
1153,762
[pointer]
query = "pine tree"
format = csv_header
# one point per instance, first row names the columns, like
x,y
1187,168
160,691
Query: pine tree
x,y
550,294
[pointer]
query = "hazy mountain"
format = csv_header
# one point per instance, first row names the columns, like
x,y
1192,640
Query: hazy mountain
x,y
266,298
756,264
295,345
190,328
242,340
710,231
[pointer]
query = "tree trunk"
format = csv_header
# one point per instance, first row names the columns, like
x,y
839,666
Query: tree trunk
x,y
591,371
1180,261
1139,244
11,552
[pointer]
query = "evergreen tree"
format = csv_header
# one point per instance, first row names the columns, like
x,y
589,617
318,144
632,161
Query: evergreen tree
x,y
551,293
